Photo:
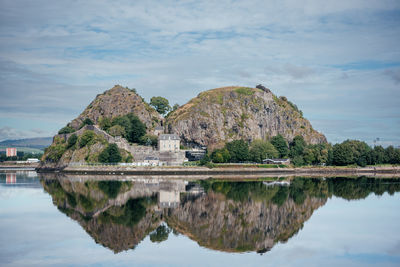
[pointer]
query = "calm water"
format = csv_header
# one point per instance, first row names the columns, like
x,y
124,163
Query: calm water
x,y
86,220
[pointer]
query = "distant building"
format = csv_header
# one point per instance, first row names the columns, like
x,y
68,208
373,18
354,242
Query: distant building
x,y
276,161
168,142
158,130
11,152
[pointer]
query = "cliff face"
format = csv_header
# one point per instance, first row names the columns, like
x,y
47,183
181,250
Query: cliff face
x,y
118,101
225,114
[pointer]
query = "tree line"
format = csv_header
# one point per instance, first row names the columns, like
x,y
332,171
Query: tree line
x,y
349,152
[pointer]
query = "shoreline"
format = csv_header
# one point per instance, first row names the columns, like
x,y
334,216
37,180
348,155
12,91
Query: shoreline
x,y
392,171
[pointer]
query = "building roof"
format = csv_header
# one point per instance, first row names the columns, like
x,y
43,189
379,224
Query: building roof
x,y
168,137
277,159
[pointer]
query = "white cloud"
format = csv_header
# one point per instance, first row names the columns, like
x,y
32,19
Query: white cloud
x,y
67,52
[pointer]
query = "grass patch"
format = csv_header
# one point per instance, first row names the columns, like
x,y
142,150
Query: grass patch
x,y
245,91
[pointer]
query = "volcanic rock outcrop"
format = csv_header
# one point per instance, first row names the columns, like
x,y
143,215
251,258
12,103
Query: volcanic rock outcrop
x,y
229,113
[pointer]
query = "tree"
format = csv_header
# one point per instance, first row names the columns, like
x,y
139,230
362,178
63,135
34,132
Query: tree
x,y
86,138
105,123
221,156
116,130
281,145
138,129
297,146
342,154
239,150
110,154
72,140
149,140
260,150
160,234
86,121
175,107
66,130
161,104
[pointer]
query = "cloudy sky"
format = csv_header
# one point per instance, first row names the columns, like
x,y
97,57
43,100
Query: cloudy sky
x,y
339,61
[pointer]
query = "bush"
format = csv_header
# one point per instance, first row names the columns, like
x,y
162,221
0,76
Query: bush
x,y
55,152
149,140
66,130
110,154
72,140
87,138
116,130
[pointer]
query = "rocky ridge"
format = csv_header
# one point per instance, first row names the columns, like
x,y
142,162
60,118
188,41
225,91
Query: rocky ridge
x,y
118,101
224,114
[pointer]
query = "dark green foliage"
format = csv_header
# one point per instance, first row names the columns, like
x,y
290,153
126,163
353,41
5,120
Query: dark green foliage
x,y
110,188
87,138
72,140
175,107
161,104
281,196
71,200
105,123
260,150
238,150
87,121
206,159
160,234
149,140
281,145
342,154
297,146
221,156
133,127
66,130
110,154
131,213
55,152
86,203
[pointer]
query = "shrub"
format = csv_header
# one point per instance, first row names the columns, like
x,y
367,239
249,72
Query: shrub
x,y
72,140
66,130
87,138
110,154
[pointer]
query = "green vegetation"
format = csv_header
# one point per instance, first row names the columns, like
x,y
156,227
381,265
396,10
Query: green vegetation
x,y
56,150
160,234
86,121
72,140
128,126
238,151
281,145
149,140
110,188
110,154
66,130
87,138
260,150
245,91
161,104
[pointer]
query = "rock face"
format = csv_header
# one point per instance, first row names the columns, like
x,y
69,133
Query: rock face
x,y
225,114
118,101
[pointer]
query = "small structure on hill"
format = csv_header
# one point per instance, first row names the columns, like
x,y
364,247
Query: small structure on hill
x,y
168,142
159,130
276,161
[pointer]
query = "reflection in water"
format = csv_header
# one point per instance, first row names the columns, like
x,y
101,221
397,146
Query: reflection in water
x,y
220,215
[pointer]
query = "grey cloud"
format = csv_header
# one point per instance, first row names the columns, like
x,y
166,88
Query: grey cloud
x,y
394,74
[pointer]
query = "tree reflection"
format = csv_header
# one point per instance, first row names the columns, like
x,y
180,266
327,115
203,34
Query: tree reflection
x,y
221,215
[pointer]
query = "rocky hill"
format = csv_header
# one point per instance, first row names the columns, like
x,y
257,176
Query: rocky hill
x,y
118,101
225,114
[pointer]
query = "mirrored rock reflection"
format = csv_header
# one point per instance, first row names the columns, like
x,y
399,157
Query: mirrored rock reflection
x,y
232,216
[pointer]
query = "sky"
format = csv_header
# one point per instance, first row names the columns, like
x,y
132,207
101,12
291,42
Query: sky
x,y
339,61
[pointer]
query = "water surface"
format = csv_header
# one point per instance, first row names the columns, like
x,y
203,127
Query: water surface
x,y
84,220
